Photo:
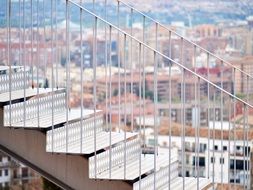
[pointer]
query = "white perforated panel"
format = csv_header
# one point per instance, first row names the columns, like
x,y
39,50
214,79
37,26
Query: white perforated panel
x,y
17,81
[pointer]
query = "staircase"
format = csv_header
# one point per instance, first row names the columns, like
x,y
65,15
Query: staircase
x,y
71,146
116,153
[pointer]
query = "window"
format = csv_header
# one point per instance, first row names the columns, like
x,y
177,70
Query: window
x,y
246,150
193,161
187,146
215,147
202,161
6,172
0,173
212,160
202,147
24,172
221,160
225,148
1,158
238,164
187,159
15,173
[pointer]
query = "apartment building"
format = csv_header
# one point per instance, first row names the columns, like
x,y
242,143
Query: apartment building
x,y
222,160
13,173
5,170
245,64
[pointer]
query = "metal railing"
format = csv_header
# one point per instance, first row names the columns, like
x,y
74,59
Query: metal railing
x,y
171,39
129,68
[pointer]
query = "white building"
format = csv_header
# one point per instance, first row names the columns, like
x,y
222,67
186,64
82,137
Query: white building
x,y
5,174
14,173
216,157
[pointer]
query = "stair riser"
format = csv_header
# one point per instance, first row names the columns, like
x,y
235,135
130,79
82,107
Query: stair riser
x,y
162,178
74,132
17,81
117,156
41,105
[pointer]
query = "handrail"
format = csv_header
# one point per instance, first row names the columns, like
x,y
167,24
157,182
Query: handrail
x,y
184,38
161,54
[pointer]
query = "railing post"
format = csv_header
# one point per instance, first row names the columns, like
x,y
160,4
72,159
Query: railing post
x,y
244,146
182,120
8,19
119,69
110,96
44,43
208,114
124,62
56,47
155,104
247,138
140,129
234,126
37,65
170,119
213,135
143,85
95,90
229,141
131,65
32,37
82,68
67,69
24,62
106,70
52,75
221,108
198,128
195,125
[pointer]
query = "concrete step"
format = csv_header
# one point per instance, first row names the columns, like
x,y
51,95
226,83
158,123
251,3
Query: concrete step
x,y
88,143
162,178
17,96
76,131
114,156
37,107
59,119
190,183
131,170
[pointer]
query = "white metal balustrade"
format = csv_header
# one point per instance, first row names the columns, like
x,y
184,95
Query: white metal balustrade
x,y
32,110
17,79
114,151
162,177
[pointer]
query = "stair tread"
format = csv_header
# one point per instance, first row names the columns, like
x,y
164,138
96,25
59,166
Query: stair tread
x,y
190,183
132,167
45,121
162,176
18,95
102,142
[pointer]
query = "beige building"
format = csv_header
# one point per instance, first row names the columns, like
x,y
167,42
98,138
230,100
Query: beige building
x,y
246,65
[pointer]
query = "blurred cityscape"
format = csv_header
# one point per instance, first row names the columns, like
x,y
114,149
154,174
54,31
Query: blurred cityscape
x,y
225,28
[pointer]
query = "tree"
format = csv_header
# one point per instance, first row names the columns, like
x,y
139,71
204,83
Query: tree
x,y
63,61
115,92
46,84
